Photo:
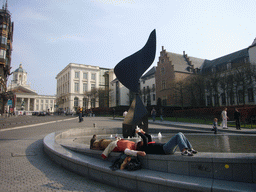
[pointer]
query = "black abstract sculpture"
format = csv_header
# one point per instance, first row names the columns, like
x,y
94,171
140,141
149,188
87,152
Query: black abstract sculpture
x,y
128,72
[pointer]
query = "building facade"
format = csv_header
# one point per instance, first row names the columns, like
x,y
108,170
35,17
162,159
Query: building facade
x,y
121,96
78,85
25,99
173,71
148,87
6,38
231,78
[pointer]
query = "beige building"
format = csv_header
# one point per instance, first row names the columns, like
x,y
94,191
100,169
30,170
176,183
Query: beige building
x,y
75,85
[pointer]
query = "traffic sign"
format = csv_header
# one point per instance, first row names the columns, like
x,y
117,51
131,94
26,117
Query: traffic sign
x,y
9,102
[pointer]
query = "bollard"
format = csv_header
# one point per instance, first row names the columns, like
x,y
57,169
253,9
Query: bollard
x,y
94,124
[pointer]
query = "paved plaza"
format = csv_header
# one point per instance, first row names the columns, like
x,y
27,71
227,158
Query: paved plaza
x,y
25,167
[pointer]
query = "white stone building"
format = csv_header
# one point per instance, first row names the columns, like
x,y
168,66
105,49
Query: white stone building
x,y
120,95
74,84
27,100
148,87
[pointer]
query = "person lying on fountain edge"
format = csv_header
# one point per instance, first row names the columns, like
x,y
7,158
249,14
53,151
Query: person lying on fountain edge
x,y
151,147
146,146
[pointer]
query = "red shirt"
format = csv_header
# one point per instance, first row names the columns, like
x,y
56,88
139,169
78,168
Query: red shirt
x,y
123,144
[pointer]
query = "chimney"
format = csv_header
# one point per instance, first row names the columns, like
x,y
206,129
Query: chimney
x,y
162,48
184,53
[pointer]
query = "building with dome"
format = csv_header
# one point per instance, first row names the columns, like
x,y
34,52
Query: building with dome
x,y
26,100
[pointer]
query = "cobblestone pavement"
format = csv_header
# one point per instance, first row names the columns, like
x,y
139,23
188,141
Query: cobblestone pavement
x,y
24,167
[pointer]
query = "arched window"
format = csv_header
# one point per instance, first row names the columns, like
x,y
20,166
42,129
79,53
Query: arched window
x,y
84,103
75,102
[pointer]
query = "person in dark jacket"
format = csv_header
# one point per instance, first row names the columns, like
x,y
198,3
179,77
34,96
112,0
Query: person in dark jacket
x,y
151,147
237,115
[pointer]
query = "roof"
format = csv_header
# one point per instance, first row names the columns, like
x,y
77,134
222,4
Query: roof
x,y
197,62
152,71
253,43
230,58
179,62
20,69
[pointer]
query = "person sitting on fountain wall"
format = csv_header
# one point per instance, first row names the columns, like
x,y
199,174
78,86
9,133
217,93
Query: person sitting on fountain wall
x,y
165,148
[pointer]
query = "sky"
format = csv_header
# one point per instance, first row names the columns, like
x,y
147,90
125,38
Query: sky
x,y
50,34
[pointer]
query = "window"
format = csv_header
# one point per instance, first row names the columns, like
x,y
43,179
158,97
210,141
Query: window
x,y
223,99
42,107
216,100
76,74
143,81
84,102
51,101
93,77
84,87
162,71
3,26
75,102
84,75
153,87
93,103
250,95
37,107
154,97
93,86
46,101
37,101
163,84
4,41
164,101
76,87
209,101
42,101
231,98
229,66
2,53
240,96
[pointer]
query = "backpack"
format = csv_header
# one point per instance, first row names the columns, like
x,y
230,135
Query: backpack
x,y
117,163
132,165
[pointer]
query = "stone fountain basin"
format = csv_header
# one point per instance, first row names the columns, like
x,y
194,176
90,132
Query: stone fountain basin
x,y
217,165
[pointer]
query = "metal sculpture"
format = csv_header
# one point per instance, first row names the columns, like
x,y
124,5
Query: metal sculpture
x,y
128,72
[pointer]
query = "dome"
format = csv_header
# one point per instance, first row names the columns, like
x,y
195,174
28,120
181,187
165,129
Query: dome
x,y
20,69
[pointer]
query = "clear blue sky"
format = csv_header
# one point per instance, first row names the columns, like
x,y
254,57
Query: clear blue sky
x,y
50,34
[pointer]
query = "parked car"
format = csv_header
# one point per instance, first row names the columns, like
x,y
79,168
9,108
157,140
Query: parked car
x,y
42,113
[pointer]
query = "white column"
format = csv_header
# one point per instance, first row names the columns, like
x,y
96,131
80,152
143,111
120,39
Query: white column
x,y
28,104
34,107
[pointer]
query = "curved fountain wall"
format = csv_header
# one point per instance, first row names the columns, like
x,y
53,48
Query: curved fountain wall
x,y
203,172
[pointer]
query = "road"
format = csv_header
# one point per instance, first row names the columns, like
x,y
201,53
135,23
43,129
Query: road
x,y
25,167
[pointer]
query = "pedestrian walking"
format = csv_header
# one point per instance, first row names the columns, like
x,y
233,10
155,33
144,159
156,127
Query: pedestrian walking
x,y
215,125
153,114
237,115
114,113
80,111
224,116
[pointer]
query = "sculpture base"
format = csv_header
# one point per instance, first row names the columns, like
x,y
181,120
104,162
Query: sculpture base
x,y
129,129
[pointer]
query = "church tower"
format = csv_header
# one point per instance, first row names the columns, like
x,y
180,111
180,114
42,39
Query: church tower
x,y
19,77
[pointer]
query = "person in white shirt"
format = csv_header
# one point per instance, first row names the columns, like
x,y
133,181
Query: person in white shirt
x,y
224,116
